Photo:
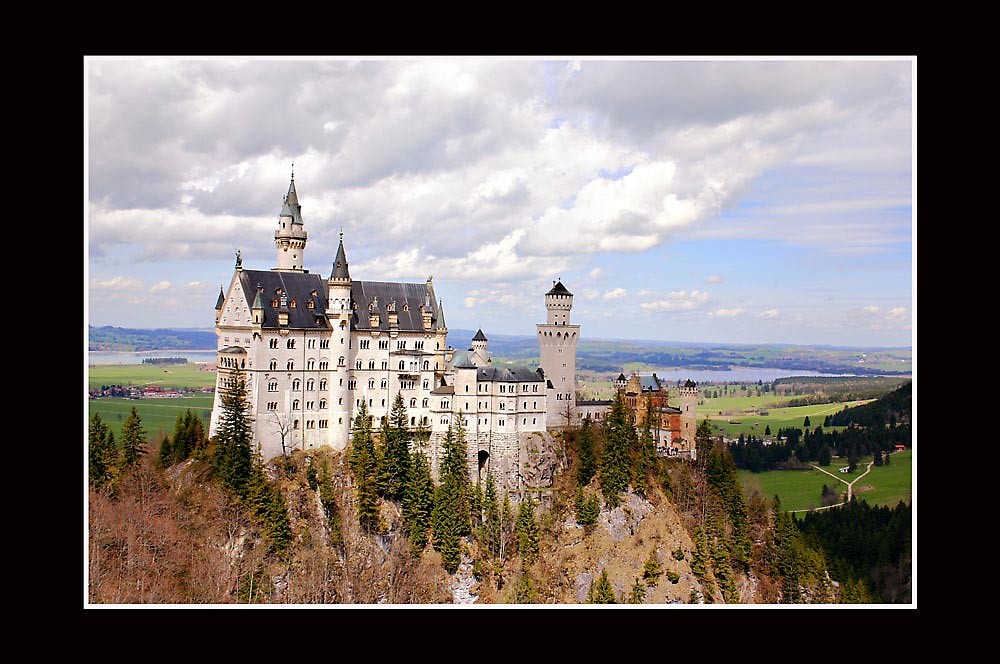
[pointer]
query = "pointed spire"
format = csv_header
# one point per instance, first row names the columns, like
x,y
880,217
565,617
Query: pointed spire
x,y
480,336
440,317
291,207
221,300
340,270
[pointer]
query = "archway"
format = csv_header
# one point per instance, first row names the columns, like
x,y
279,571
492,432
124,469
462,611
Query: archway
x,y
484,462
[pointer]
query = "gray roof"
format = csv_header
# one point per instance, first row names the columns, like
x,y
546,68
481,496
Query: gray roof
x,y
298,287
239,350
221,300
558,289
406,298
291,207
510,374
480,336
689,383
340,263
649,383
462,359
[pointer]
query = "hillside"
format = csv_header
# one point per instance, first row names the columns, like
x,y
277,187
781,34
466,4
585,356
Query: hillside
x,y
109,338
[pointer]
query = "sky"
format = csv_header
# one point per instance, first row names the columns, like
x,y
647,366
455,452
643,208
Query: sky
x,y
716,200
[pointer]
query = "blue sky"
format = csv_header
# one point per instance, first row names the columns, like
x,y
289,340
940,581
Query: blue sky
x,y
765,200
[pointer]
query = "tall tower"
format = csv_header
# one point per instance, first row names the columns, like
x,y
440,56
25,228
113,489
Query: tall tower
x,y
557,341
689,415
479,343
290,237
338,314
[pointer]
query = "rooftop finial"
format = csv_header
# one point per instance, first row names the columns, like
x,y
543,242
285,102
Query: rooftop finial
x,y
293,170
341,233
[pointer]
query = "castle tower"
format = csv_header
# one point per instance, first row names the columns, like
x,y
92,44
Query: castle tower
x,y
479,349
338,314
290,237
557,341
689,416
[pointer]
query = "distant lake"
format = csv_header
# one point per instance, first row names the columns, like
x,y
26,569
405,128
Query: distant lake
x,y
738,374
114,357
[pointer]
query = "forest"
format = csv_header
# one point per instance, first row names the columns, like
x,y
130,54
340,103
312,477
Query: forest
x,y
192,519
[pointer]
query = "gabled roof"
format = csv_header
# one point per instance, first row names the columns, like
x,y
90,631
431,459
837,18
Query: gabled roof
x,y
509,374
649,383
558,289
297,287
406,298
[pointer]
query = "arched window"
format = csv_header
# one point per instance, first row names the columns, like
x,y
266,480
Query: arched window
x,y
423,403
291,365
413,402
322,384
322,404
296,384
310,385
371,383
272,386
310,364
371,364
384,383
341,361
402,365
290,343
295,404
357,364
273,365
427,365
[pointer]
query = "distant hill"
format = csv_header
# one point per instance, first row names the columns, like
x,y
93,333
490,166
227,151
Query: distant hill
x,y
599,355
125,339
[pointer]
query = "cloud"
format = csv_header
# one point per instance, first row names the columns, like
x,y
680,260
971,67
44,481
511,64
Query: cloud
x,y
727,313
898,314
678,301
770,313
117,284
714,279
160,286
596,272
615,294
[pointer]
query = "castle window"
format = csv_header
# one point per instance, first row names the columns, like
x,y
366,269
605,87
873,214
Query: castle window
x,y
272,405
406,306
423,404
385,365
290,366
310,364
322,384
310,405
364,343
413,402
290,343
295,404
324,343
384,383
371,364
295,424
272,386
273,343
323,424
427,365
401,344
357,365
322,404
444,404
296,384
310,385
371,383
351,384
341,361
324,365
402,365
274,302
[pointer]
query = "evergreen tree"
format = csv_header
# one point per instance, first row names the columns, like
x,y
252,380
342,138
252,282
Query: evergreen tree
x,y
703,441
806,424
767,430
133,443
165,458
615,466
101,452
638,595
527,532
824,455
450,517
233,457
364,465
418,502
395,457
525,592
645,456
601,591
652,571
327,498
588,508
586,456
489,532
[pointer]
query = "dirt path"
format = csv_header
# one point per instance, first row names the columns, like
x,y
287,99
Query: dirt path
x,y
850,486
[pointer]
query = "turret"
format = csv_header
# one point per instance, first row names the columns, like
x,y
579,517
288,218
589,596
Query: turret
x,y
479,343
338,303
219,303
290,236
558,303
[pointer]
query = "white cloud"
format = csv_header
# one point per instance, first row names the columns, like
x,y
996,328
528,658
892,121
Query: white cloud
x,y
615,294
898,314
727,313
160,286
770,313
116,284
678,301
714,279
596,272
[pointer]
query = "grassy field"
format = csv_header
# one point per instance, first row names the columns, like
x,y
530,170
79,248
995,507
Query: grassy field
x,y
776,418
172,375
801,489
158,415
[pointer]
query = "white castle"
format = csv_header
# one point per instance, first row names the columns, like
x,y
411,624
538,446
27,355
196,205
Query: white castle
x,y
313,349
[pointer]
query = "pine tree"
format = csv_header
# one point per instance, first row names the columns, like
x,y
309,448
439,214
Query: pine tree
x,y
586,457
652,571
615,466
165,458
588,508
527,532
638,595
395,457
363,464
133,443
601,591
703,441
101,452
645,456
327,499
418,502
450,517
233,456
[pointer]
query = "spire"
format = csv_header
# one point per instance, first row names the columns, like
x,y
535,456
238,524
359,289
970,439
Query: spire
x,y
558,288
340,270
291,207
440,317
480,336
221,300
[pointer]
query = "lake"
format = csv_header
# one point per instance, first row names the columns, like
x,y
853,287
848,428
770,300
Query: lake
x,y
736,375
114,357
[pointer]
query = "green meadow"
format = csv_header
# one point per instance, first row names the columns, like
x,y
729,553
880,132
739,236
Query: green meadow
x,y
158,415
801,489
739,416
165,375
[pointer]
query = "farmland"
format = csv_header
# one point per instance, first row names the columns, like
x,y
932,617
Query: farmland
x,y
801,489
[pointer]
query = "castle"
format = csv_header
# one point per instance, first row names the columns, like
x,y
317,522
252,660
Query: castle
x,y
312,350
